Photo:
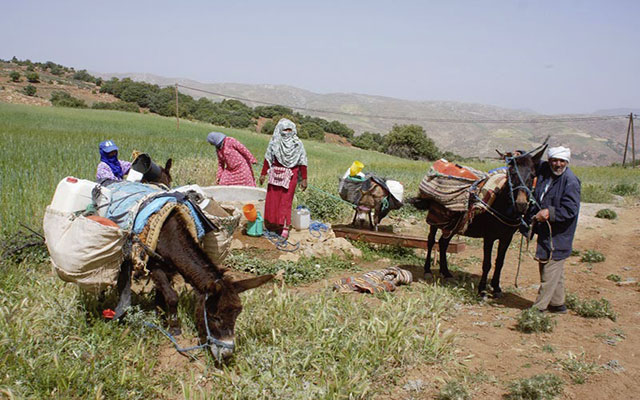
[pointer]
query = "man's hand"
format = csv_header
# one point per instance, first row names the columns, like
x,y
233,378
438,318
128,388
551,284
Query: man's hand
x,y
542,215
261,180
303,185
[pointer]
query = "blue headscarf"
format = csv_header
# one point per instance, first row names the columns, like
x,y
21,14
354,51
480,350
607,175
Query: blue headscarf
x,y
216,138
107,147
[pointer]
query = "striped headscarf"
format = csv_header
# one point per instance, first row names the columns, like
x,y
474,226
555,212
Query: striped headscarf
x,y
286,147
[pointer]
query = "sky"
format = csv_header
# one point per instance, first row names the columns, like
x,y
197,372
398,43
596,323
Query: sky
x,y
551,57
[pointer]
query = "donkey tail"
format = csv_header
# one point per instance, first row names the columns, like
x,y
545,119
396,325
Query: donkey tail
x,y
418,202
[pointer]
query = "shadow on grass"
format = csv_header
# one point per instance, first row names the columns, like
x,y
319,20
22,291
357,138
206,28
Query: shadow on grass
x,y
468,283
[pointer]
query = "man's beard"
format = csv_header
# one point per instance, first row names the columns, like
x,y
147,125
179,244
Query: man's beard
x,y
560,171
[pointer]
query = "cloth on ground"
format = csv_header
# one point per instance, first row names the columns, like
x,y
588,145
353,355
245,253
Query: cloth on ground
x,y
378,281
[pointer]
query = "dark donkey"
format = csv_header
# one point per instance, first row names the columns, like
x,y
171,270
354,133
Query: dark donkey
x,y
499,222
217,301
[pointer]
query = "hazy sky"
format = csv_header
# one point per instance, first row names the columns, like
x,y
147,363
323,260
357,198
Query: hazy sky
x,y
548,56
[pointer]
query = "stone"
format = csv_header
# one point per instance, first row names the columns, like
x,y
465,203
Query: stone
x,y
236,244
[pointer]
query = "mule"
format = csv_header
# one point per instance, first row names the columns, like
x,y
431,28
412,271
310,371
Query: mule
x,y
218,302
499,223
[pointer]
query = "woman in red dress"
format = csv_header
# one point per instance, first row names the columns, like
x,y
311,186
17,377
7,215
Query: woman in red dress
x,y
234,161
285,162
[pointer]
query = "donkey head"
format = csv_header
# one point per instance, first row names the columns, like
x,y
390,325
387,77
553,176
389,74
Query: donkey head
x,y
371,200
217,311
521,174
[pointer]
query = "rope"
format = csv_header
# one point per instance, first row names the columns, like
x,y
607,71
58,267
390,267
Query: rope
x,y
281,243
316,228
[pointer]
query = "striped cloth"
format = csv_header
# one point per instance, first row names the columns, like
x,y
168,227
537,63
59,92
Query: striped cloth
x,y
378,281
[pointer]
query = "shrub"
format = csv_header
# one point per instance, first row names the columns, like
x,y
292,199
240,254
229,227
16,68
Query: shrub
x,y
15,76
411,141
532,320
606,213
272,111
592,256
625,189
30,90
454,390
33,77
538,387
590,308
578,368
64,99
339,128
614,278
595,194
83,75
117,105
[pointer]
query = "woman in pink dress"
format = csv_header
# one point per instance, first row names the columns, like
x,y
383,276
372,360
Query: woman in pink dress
x,y
234,161
285,162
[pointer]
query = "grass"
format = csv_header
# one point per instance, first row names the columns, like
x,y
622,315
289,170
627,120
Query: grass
x,y
590,308
538,387
454,390
531,320
614,278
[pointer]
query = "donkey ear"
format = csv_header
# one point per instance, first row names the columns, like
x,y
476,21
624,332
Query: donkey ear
x,y
538,156
167,166
251,283
500,154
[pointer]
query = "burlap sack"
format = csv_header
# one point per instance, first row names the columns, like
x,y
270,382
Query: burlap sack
x,y
216,244
83,251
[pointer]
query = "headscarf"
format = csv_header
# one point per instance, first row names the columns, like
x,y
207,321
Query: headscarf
x,y
216,138
105,148
562,153
286,147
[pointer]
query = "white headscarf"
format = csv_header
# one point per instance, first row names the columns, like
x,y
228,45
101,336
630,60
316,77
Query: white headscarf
x,y
562,153
286,147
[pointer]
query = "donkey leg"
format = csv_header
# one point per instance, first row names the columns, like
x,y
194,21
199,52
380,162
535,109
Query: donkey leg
x,y
486,266
443,244
503,246
165,294
431,241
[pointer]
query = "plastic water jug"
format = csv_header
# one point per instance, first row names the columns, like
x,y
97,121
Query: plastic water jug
x,y
301,218
72,194
254,228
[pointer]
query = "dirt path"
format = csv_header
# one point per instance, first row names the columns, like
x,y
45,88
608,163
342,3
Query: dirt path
x,y
493,353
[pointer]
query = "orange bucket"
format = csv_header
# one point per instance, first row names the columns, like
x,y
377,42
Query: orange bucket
x,y
249,211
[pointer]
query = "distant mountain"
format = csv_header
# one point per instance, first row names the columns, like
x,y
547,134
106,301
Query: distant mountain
x,y
599,142
618,111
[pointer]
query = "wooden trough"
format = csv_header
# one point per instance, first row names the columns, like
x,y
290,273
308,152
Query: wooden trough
x,y
381,237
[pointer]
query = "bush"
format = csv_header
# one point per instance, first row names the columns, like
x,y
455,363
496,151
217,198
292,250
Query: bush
x,y
83,75
117,105
532,320
272,111
578,368
369,141
30,90
614,278
592,256
64,99
312,131
15,76
595,194
606,213
538,387
625,189
590,308
33,77
411,141
339,128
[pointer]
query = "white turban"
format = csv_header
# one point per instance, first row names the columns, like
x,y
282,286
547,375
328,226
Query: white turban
x,y
560,152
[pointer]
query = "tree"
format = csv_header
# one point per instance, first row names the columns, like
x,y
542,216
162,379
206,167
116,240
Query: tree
x,y
339,128
311,131
410,141
15,76
268,127
64,99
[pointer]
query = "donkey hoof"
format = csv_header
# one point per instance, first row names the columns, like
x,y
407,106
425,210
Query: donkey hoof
x,y
498,294
483,294
175,331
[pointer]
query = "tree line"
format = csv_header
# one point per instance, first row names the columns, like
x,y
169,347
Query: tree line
x,y
406,141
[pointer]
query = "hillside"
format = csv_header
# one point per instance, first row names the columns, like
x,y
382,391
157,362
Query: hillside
x,y
593,142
